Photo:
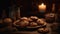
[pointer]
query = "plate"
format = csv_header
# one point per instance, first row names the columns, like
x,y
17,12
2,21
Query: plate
x,y
39,26
33,26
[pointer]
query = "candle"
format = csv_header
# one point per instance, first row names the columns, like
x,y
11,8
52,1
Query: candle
x,y
18,12
42,7
53,7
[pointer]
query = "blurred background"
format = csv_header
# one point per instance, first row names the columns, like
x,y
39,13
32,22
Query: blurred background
x,y
15,9
27,7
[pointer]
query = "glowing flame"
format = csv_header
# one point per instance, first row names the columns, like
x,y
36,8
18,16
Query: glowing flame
x,y
42,6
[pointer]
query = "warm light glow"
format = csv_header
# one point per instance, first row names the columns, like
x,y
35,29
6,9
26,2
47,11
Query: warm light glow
x,y
42,7
53,7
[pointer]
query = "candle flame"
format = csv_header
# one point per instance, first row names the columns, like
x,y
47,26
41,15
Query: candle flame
x,y
42,6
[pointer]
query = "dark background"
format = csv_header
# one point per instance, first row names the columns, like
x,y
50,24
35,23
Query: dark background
x,y
27,6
